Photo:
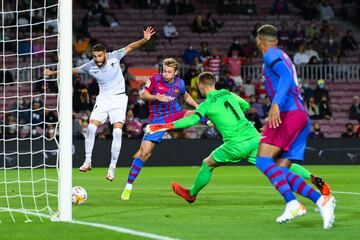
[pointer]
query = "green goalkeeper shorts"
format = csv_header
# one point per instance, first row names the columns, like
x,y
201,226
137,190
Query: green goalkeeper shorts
x,y
237,151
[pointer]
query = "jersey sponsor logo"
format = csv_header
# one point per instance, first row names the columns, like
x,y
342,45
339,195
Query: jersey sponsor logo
x,y
176,91
171,98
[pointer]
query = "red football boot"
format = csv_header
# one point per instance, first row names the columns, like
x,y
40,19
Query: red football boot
x,y
321,185
183,192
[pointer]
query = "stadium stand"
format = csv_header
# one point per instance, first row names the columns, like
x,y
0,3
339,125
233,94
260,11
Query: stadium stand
x,y
342,87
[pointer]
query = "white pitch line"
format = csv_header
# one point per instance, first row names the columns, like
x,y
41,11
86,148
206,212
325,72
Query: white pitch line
x,y
98,225
123,230
350,193
208,187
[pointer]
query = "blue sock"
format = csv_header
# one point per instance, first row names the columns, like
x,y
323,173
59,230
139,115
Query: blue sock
x,y
299,185
135,168
276,176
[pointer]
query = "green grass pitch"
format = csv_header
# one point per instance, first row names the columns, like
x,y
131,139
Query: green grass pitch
x,y
239,203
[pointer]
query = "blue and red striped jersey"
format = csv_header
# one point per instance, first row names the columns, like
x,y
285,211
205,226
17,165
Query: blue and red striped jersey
x,y
281,80
161,111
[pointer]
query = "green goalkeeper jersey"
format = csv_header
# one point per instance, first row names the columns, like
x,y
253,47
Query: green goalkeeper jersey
x,y
226,112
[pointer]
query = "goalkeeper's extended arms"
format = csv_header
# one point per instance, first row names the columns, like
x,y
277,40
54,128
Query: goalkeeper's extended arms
x,y
181,123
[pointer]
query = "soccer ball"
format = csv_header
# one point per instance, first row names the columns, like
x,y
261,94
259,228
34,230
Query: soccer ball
x,y
79,195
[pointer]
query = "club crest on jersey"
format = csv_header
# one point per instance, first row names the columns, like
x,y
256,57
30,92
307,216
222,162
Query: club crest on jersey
x,y
148,83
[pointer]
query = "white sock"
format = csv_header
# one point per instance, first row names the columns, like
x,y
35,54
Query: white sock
x,y
320,201
293,204
115,146
89,141
128,186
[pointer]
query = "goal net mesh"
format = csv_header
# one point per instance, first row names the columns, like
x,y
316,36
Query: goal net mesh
x,y
28,110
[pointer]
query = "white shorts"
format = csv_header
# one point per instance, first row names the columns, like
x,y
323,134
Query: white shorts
x,y
113,106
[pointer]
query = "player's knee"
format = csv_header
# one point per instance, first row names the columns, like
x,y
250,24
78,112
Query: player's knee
x,y
144,154
209,162
118,125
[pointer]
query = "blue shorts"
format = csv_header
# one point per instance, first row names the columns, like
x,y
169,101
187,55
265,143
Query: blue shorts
x,y
297,148
155,137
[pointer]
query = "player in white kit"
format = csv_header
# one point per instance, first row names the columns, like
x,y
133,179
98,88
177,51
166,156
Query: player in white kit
x,y
112,99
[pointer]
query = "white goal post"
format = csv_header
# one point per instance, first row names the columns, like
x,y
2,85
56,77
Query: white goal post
x,y
65,132
35,112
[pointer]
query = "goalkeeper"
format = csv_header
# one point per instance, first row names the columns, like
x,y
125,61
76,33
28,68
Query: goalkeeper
x,y
241,139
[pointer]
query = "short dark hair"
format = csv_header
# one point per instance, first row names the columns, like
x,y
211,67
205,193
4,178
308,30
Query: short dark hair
x,y
267,30
99,48
207,78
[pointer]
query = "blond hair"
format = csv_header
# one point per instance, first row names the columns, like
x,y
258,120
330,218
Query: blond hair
x,y
171,62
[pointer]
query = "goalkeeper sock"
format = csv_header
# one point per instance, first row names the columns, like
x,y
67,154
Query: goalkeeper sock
x,y
134,170
116,146
202,179
276,176
89,141
301,171
299,185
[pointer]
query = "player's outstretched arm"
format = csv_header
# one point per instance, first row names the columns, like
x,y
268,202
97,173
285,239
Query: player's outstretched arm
x,y
148,32
181,123
48,72
189,100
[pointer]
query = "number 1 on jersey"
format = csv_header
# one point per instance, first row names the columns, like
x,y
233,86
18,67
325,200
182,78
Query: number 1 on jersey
x,y
228,105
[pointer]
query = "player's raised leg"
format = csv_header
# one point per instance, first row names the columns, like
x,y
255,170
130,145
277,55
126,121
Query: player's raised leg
x,y
89,144
117,118
224,154
145,152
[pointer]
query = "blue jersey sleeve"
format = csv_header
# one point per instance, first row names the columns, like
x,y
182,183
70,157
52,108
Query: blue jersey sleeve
x,y
182,90
277,64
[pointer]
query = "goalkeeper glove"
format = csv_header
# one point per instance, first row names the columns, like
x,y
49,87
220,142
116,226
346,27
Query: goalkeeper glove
x,y
154,128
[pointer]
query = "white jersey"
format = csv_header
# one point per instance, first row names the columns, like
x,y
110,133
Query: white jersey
x,y
109,77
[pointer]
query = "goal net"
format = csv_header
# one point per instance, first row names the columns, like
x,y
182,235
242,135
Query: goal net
x,y
30,154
